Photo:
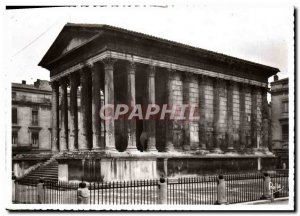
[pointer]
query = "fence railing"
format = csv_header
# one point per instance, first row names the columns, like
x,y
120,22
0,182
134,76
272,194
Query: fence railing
x,y
191,191
202,190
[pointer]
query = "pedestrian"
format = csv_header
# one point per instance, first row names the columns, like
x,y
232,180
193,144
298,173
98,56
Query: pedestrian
x,y
41,192
83,194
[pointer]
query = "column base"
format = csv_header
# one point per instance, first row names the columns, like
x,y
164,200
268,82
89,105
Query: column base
x,y
64,150
230,150
154,150
132,150
169,147
98,149
267,151
217,151
110,149
83,150
202,151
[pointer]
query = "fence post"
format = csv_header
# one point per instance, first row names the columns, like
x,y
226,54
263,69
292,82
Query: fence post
x,y
41,192
162,191
14,182
221,191
267,188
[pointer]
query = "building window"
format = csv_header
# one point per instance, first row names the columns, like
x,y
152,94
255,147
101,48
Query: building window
x,y
14,115
14,138
35,117
35,139
285,132
285,106
14,95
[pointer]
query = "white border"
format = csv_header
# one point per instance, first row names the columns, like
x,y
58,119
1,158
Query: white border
x,y
5,127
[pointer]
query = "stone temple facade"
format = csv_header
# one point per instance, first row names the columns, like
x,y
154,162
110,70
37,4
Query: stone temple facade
x,y
127,67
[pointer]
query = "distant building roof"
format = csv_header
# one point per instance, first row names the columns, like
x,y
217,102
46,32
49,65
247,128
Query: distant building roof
x,y
39,85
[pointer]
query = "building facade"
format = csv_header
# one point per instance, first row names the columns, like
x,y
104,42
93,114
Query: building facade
x,y
133,68
280,120
31,124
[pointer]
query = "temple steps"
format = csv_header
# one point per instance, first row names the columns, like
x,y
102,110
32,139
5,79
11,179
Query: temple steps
x,y
47,171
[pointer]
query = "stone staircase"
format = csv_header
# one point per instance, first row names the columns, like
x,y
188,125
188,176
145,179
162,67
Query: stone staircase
x,y
48,171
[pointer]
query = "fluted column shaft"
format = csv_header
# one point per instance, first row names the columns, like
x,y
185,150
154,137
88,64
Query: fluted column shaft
x,y
253,117
216,102
202,123
64,116
85,103
55,117
131,123
230,115
265,115
109,100
242,117
73,137
169,100
96,105
150,124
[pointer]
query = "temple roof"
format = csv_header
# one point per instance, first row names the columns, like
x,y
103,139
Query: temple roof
x,y
86,33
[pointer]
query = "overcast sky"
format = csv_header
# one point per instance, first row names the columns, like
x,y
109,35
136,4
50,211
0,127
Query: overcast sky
x,y
263,35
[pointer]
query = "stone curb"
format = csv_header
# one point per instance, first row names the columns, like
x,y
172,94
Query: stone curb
x,y
258,202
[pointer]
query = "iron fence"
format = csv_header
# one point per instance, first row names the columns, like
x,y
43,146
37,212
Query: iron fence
x,y
124,192
193,190
202,190
249,186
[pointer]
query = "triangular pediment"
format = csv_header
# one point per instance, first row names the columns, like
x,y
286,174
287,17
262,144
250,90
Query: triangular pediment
x,y
67,40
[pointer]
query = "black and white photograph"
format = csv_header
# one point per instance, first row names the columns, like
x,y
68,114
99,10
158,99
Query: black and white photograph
x,y
149,106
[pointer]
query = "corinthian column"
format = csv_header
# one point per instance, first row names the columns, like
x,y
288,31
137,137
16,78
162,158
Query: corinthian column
x,y
202,120
55,116
253,117
169,100
73,137
131,123
265,115
216,128
109,101
85,108
64,116
151,100
230,115
242,117
96,105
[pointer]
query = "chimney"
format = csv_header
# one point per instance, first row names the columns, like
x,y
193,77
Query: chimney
x,y
275,78
37,83
24,82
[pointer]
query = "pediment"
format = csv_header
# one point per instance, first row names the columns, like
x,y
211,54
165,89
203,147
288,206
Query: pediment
x,y
73,43
68,40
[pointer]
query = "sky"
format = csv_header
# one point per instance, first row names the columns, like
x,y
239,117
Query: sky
x,y
259,34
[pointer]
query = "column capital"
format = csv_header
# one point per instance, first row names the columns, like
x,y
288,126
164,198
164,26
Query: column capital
x,y
64,82
108,62
216,80
54,84
254,89
203,78
188,76
73,79
131,67
151,70
171,70
230,84
171,73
